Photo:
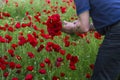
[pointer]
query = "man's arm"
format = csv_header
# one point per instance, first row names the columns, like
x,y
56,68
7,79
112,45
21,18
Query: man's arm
x,y
81,25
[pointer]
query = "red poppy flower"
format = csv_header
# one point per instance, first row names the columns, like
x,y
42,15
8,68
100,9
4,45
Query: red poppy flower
x,y
40,48
18,57
63,9
8,38
82,35
29,17
16,4
2,28
37,18
14,46
35,34
59,59
46,36
68,56
26,13
12,65
24,25
35,27
29,77
2,40
62,52
92,66
22,40
42,71
6,14
54,25
15,78
67,43
31,1
5,57
42,65
47,60
55,78
18,25
48,1
3,67
97,35
18,71
32,40
11,52
6,25
74,59
56,47
30,54
6,1
72,67
62,74
58,64
41,40
18,66
49,46
6,74
11,29
30,68
88,75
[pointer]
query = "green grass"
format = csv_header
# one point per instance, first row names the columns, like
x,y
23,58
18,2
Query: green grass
x,y
86,52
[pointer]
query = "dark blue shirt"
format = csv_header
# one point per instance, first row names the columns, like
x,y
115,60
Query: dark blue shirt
x,y
103,12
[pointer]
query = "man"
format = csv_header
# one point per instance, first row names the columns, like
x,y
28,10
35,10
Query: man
x,y
106,19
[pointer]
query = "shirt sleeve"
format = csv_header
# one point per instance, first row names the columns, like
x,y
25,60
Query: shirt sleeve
x,y
81,6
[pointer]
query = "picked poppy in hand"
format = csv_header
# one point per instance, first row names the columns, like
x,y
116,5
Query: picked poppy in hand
x,y
54,25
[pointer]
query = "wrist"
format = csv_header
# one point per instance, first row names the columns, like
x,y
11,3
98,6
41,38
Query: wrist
x,y
76,28
92,26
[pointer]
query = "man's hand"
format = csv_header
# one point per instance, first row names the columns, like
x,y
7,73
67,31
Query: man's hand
x,y
75,27
68,27
72,27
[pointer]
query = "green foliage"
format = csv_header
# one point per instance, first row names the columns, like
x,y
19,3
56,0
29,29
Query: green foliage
x,y
86,51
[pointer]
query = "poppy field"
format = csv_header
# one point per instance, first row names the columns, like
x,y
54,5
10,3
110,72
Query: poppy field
x,y
32,46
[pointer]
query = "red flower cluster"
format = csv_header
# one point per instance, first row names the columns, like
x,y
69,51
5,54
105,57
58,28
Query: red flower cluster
x,y
29,77
42,71
48,1
6,14
18,25
97,35
63,9
88,75
54,25
6,39
66,41
22,40
30,54
40,48
73,61
32,40
52,46
3,63
30,68
12,65
37,17
91,66
55,62
11,52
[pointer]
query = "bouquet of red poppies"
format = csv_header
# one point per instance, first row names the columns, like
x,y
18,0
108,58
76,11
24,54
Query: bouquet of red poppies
x,y
54,25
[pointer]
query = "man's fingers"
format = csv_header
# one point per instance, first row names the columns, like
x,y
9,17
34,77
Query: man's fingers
x,y
75,21
65,22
